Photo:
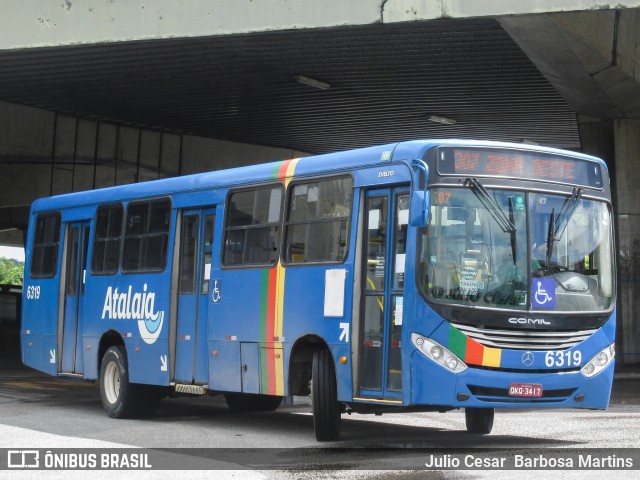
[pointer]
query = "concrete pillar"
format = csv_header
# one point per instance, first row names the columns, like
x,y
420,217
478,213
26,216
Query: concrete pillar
x,y
618,143
626,135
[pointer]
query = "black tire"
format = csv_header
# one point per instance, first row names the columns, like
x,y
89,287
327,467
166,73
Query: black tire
x,y
324,397
247,402
120,398
479,420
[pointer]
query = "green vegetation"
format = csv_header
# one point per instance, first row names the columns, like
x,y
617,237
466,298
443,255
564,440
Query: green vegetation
x,y
11,271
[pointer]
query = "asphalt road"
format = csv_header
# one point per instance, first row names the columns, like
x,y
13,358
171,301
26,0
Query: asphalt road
x,y
37,411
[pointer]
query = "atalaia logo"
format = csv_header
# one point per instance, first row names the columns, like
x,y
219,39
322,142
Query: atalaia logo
x,y
137,306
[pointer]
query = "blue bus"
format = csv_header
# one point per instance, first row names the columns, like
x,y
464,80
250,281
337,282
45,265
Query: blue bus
x,y
416,276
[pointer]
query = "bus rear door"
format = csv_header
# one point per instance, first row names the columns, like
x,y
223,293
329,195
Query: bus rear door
x,y
193,296
74,275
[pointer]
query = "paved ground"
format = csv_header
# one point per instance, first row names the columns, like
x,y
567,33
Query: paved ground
x,y
37,411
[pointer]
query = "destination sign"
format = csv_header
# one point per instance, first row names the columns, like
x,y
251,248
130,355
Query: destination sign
x,y
526,165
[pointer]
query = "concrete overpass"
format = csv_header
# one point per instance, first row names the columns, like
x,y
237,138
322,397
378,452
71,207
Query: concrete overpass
x,y
104,92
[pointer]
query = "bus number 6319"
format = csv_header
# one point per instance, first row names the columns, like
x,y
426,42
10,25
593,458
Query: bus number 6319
x,y
563,359
33,292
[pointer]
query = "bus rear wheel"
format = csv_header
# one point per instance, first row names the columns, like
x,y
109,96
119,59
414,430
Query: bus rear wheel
x,y
324,397
479,420
120,398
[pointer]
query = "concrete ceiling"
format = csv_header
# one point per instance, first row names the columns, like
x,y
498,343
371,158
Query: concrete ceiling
x,y
385,81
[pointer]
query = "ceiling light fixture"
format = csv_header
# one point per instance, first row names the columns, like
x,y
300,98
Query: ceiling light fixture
x,y
442,120
312,82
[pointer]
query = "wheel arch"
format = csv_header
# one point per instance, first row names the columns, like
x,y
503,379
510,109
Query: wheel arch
x,y
110,338
301,360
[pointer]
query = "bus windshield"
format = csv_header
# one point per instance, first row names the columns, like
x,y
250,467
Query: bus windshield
x,y
517,250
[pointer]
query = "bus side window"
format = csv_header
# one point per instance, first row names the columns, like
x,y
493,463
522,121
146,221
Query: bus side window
x,y
44,258
146,236
252,233
106,244
317,227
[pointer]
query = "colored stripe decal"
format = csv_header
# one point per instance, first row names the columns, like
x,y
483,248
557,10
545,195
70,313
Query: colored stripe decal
x,y
264,296
474,352
470,351
457,342
491,357
272,310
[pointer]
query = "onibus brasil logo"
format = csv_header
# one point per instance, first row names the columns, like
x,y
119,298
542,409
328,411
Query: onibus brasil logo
x,y
137,306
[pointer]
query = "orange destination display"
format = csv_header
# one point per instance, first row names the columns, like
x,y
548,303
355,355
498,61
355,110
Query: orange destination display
x,y
485,162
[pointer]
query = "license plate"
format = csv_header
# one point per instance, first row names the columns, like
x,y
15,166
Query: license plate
x,y
525,390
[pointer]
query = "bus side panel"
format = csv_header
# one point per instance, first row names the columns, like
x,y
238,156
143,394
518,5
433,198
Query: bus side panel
x,y
90,348
40,324
343,371
40,315
137,308
304,306
224,366
239,315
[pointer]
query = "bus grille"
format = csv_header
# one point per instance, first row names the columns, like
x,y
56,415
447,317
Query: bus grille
x,y
524,339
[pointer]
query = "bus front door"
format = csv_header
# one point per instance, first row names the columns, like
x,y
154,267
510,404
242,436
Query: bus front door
x,y
74,274
380,365
196,242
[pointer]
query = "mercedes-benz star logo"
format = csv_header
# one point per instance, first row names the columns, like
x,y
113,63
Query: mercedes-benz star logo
x,y
527,358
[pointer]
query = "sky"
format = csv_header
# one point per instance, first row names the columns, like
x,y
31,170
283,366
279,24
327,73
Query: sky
x,y
12,252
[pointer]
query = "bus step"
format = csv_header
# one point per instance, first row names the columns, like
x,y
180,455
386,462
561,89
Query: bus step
x,y
191,389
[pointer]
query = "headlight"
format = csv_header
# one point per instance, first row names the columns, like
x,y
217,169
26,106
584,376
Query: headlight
x,y
599,362
438,353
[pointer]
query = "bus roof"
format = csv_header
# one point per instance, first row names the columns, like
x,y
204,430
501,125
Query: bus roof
x,y
262,173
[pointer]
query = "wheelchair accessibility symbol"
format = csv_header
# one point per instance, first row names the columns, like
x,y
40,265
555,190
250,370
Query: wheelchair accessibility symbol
x,y
215,291
543,293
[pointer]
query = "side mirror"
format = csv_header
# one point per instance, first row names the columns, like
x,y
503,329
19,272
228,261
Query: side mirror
x,y
419,208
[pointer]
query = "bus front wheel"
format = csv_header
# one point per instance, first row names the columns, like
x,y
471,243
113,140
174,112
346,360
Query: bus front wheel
x,y
479,420
324,397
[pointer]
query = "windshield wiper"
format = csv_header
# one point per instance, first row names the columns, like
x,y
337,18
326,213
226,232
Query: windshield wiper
x,y
490,204
568,207
558,225
507,224
512,233
550,238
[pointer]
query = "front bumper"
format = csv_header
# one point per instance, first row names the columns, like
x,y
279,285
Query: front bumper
x,y
431,384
